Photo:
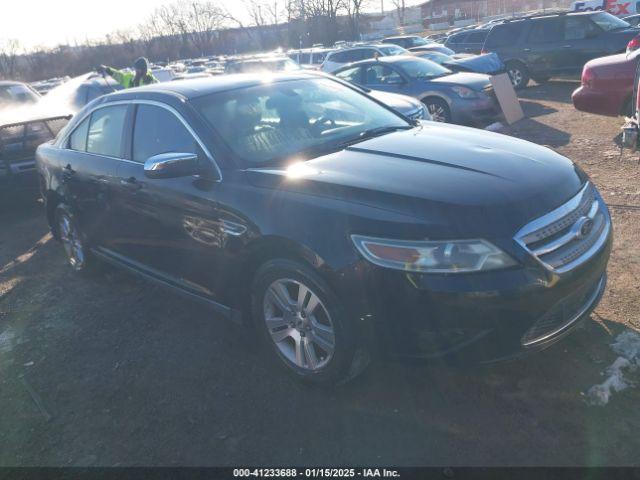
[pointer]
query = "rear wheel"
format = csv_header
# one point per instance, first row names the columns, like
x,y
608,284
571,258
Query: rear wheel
x,y
438,108
303,324
518,74
72,239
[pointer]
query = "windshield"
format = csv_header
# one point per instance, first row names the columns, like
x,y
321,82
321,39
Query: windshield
x,y
607,22
422,69
388,50
276,121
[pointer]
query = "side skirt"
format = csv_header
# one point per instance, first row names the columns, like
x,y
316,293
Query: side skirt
x,y
166,281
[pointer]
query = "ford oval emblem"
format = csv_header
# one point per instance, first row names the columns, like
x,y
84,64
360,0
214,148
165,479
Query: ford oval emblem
x,y
583,227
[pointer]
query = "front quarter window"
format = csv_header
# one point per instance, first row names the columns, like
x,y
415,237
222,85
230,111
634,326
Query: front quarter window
x,y
274,122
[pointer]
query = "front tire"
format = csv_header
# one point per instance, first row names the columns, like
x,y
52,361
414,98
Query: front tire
x,y
303,324
518,75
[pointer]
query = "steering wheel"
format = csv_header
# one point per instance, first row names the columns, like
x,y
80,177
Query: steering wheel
x,y
324,120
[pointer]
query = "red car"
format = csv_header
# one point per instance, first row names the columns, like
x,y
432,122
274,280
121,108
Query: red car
x,y
607,85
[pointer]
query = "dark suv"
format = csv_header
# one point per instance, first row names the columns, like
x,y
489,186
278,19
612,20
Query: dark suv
x,y
539,47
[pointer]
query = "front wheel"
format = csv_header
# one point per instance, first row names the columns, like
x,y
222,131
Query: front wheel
x,y
439,109
303,324
518,75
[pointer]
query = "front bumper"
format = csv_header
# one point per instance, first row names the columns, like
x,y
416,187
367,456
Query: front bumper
x,y
476,110
482,317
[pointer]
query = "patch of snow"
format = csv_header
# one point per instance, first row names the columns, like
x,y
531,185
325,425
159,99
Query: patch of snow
x,y
6,341
627,346
495,127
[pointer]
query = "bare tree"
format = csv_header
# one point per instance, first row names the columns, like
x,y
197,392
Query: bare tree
x,y
353,9
9,52
400,9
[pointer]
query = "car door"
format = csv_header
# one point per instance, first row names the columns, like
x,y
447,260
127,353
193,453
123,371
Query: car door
x,y
168,227
582,42
94,149
543,49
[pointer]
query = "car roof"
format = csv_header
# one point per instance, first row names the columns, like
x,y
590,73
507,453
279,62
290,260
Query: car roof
x,y
394,37
10,83
199,87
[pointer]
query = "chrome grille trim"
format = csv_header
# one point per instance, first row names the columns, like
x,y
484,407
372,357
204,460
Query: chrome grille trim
x,y
556,239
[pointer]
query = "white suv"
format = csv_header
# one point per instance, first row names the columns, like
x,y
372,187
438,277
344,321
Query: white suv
x,y
336,59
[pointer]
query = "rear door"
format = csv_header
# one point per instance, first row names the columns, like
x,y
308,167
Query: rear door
x,y
94,151
544,50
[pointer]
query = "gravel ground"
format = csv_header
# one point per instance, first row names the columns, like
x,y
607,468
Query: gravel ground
x,y
109,370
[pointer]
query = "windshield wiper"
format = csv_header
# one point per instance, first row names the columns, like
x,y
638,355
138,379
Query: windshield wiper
x,y
374,132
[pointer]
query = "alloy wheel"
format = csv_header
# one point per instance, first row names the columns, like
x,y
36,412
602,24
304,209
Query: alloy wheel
x,y
299,324
71,241
438,113
515,74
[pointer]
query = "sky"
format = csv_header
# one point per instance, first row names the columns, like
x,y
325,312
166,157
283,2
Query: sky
x,y
52,22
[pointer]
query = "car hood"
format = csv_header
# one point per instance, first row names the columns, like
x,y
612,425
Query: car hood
x,y
474,81
402,103
479,182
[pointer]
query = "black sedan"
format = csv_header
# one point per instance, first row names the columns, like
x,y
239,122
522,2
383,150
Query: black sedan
x,y
333,225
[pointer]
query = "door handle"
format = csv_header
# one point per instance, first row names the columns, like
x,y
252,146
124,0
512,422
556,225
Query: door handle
x,y
526,49
131,183
567,46
68,172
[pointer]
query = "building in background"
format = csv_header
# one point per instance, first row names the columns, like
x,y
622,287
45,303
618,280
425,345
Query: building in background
x,y
441,14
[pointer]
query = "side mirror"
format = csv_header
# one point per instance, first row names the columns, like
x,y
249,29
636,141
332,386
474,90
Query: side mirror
x,y
171,165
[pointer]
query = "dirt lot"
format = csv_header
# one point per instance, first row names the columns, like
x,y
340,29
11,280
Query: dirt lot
x,y
112,371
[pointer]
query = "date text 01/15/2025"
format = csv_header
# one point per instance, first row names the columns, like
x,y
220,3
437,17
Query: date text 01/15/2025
x,y
315,472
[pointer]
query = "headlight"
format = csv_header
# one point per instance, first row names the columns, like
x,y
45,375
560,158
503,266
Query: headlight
x,y
464,92
441,256
425,115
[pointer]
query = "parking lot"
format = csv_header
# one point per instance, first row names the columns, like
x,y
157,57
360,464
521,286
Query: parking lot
x,y
112,371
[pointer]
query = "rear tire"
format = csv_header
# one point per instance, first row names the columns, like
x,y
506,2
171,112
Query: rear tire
x,y
73,240
518,75
303,325
438,108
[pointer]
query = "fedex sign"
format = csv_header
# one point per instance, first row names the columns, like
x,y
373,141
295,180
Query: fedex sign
x,y
619,8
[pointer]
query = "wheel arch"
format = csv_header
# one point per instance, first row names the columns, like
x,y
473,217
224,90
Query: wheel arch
x,y
265,248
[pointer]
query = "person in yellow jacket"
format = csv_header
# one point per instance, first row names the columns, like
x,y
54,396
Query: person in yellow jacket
x,y
142,76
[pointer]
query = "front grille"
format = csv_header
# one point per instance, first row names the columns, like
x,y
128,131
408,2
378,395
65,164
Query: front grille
x,y
570,234
563,314
18,141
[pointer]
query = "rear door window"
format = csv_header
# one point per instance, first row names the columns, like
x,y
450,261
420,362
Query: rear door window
x,y
503,35
78,139
106,131
476,37
157,131
545,31
457,38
